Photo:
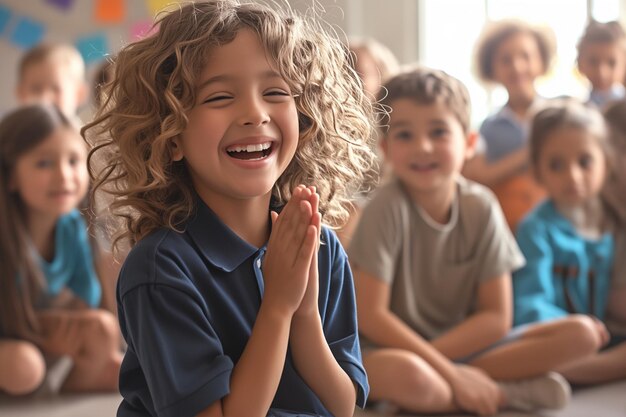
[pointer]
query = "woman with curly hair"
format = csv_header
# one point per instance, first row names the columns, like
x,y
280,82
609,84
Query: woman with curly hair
x,y
224,139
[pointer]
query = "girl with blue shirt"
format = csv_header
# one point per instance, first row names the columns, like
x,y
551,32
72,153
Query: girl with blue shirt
x,y
49,289
234,300
567,240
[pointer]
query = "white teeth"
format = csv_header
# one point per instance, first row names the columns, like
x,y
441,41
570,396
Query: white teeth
x,y
250,148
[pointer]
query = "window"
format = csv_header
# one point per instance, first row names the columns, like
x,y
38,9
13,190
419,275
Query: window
x,y
450,28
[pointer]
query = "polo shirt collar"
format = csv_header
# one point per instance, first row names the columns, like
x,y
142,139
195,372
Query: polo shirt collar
x,y
216,241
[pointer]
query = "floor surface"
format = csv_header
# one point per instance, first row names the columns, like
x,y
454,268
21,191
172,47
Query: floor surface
x,y
605,401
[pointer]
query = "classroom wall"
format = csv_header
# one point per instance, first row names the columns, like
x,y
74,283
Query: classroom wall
x,y
97,31
102,27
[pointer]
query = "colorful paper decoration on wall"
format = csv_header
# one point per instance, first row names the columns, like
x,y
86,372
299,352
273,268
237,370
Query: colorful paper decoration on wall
x,y
156,6
27,33
141,29
93,47
5,18
64,5
110,11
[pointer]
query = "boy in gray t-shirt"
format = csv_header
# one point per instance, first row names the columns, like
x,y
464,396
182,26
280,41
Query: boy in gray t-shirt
x,y
432,258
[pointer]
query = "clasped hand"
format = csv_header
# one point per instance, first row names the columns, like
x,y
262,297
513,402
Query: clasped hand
x,y
290,268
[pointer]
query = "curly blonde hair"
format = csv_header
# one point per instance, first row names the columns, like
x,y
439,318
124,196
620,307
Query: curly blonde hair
x,y
154,88
496,32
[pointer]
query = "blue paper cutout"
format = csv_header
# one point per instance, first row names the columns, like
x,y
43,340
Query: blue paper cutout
x,y
27,33
93,48
5,17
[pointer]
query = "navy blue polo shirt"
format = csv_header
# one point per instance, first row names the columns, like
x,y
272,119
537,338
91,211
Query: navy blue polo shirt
x,y
187,303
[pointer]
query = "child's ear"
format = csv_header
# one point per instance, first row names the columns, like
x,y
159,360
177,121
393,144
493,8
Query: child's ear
x,y
176,150
470,144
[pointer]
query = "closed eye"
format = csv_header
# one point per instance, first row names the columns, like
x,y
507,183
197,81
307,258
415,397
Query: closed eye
x,y
277,95
215,99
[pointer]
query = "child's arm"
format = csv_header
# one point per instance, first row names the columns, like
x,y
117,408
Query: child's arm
x,y
533,290
312,356
491,174
471,388
490,322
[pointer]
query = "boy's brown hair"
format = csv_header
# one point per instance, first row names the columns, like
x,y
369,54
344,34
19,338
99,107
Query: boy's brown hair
x,y
495,33
427,86
597,32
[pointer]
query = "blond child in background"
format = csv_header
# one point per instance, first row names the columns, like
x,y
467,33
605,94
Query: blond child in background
x,y
53,73
230,303
602,60
49,290
513,54
567,239
432,258
374,62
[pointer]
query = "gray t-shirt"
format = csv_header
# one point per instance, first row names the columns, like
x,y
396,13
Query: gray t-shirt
x,y
434,270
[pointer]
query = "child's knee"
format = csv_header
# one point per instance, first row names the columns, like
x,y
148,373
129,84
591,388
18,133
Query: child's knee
x,y
102,325
24,366
583,332
411,375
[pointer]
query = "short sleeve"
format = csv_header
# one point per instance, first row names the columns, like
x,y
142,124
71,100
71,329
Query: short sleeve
x,y
340,320
84,280
376,243
171,338
497,248
533,290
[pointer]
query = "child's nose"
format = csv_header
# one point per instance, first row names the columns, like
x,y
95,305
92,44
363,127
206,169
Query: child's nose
x,y
423,144
574,173
64,172
253,112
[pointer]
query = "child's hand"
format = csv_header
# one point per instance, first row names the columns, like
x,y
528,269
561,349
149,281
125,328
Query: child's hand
x,y
61,332
309,305
474,391
601,331
290,250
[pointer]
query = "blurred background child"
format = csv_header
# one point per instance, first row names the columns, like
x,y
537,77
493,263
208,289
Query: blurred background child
x,y
54,73
567,239
432,258
614,194
602,60
375,64
514,54
49,291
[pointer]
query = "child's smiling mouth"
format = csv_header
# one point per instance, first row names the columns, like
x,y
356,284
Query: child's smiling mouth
x,y
252,152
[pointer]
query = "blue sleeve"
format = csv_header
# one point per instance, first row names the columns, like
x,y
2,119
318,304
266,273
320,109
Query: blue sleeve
x,y
340,320
172,343
533,286
180,355
84,281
